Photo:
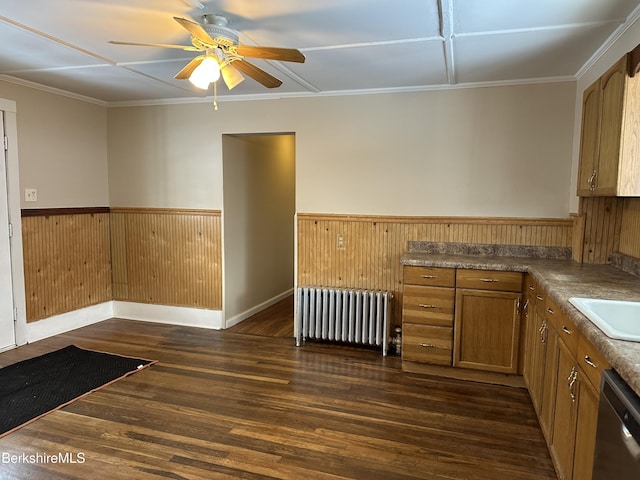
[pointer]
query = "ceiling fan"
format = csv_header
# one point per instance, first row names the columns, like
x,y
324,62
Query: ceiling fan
x,y
222,54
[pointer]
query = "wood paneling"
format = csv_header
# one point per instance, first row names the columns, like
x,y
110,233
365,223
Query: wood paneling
x,y
602,225
369,255
66,262
167,257
630,228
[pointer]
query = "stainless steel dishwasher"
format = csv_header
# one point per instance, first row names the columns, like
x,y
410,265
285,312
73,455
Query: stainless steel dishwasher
x,y
617,455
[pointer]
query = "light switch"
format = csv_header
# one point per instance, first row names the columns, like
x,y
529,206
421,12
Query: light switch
x,y
30,195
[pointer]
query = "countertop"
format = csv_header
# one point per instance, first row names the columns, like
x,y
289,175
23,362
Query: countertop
x,y
563,279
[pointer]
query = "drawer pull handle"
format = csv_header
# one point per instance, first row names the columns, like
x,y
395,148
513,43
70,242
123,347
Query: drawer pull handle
x,y
571,382
539,297
489,280
550,310
426,305
532,288
543,332
428,276
427,345
589,362
566,330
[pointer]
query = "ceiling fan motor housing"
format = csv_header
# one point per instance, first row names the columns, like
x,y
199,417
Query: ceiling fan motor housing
x,y
216,26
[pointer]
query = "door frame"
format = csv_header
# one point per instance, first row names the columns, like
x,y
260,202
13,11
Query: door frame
x,y
15,219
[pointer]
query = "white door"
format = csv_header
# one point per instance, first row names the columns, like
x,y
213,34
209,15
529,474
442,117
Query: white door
x,y
7,327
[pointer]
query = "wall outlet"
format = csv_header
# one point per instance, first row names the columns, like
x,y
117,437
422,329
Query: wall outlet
x,y
340,241
30,195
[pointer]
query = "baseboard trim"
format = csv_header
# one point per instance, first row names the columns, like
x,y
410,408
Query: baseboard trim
x,y
258,308
65,322
184,316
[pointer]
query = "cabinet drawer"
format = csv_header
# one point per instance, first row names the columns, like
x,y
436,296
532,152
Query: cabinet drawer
x,y
567,331
591,361
430,276
489,280
428,305
422,343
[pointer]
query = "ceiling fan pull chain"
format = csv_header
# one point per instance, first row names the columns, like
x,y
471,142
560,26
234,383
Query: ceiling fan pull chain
x,y
215,95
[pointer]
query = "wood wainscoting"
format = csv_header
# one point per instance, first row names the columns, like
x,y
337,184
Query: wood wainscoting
x,y
602,227
364,251
167,257
67,261
78,257
630,228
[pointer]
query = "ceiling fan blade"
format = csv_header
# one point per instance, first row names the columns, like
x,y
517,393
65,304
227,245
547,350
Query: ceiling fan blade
x,y
189,68
231,76
188,48
271,53
257,74
196,30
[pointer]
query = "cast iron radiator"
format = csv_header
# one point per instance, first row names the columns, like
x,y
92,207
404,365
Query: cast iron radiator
x,y
343,315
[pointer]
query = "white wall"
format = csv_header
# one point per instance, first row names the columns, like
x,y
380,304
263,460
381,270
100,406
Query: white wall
x,y
496,151
627,41
63,148
165,157
259,199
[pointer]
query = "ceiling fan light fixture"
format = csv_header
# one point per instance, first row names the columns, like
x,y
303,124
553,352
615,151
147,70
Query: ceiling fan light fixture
x,y
206,73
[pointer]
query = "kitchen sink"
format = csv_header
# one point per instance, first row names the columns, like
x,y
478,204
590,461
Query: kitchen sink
x,y
617,319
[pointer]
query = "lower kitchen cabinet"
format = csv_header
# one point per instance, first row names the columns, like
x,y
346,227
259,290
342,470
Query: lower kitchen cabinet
x,y
567,395
566,412
536,354
427,315
549,381
587,422
487,330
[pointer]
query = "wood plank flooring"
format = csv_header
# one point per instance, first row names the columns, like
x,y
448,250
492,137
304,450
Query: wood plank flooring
x,y
224,405
274,321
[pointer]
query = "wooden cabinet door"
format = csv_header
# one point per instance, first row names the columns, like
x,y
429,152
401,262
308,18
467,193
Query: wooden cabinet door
x,y
529,342
587,422
589,139
487,330
612,92
537,359
566,409
549,382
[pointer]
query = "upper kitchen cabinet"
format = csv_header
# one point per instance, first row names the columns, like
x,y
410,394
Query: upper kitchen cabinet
x,y
610,136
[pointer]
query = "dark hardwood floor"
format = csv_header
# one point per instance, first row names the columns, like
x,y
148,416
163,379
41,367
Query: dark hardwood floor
x,y
275,321
226,405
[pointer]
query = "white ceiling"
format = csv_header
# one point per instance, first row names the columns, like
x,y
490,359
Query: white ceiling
x,y
350,45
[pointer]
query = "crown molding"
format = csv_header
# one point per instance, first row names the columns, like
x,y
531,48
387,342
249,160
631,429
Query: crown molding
x,y
613,38
53,90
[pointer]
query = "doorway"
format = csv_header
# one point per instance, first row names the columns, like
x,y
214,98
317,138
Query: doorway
x,y
258,228
7,325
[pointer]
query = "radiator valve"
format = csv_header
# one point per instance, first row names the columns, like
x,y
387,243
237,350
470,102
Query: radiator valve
x,y
396,341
